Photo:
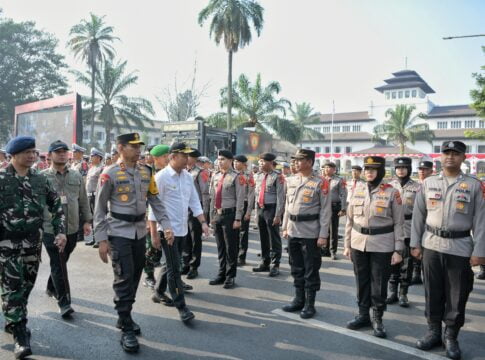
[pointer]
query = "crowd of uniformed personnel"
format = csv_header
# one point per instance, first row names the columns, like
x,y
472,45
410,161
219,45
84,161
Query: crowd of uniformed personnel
x,y
139,207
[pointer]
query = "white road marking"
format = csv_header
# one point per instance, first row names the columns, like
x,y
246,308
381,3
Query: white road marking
x,y
361,336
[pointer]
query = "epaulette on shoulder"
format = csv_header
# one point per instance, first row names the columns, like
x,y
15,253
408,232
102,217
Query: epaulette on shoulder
x,y
473,177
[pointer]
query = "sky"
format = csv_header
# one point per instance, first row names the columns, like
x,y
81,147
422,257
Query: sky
x,y
318,50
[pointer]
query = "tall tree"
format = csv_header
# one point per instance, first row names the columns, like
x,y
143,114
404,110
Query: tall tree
x,y
112,107
231,22
30,69
478,97
91,41
303,115
400,128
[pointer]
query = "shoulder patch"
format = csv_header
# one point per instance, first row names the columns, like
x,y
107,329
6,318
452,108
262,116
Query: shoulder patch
x,y
242,180
251,181
397,196
281,178
104,178
324,185
386,186
204,175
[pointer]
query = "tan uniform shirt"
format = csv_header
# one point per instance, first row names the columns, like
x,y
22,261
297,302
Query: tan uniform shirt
x,y
338,190
233,192
453,205
351,185
92,179
379,208
274,193
251,184
307,196
126,191
201,181
408,195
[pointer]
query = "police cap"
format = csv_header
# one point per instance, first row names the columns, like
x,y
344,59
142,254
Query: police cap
x,y
329,164
403,161
131,138
180,148
357,167
304,154
425,165
454,145
58,145
374,162
76,147
96,152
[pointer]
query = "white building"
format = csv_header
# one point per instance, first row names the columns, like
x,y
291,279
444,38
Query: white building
x,y
353,131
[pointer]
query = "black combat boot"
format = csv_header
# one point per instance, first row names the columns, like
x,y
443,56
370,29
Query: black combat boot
x,y
403,296
432,338
377,325
136,328
392,298
360,321
309,308
451,344
128,340
416,279
481,274
298,301
21,337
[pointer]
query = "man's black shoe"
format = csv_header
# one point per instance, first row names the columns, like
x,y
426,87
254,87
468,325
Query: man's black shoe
x,y
325,252
185,270
187,287
21,336
149,282
95,246
451,344
134,326
481,274
229,283
275,271
334,256
219,280
162,298
360,321
129,342
90,243
261,268
66,311
192,274
431,339
377,325
185,314
297,303
309,308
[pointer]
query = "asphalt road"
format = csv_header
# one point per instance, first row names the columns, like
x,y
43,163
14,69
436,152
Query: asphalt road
x,y
241,323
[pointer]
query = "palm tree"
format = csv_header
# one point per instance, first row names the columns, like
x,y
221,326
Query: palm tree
x,y
261,108
303,115
113,108
400,128
231,21
91,41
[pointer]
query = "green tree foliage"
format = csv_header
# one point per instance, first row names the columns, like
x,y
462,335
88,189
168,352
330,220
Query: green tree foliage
x,y
231,22
400,128
30,69
478,97
303,114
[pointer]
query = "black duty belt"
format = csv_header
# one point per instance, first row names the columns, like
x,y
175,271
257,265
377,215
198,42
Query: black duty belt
x,y
447,233
19,235
305,217
226,211
408,217
336,203
374,231
128,218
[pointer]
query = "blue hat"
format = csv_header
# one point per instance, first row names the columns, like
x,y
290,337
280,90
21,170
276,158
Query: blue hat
x,y
57,145
95,151
19,144
76,147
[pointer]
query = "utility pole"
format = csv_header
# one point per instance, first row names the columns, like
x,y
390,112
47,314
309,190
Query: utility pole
x,y
462,36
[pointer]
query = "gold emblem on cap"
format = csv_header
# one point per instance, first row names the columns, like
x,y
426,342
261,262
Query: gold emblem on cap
x,y
370,161
136,136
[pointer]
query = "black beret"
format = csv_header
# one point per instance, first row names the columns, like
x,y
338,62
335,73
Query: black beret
x,y
225,153
241,158
425,165
403,161
131,138
356,167
374,162
267,156
330,164
57,145
304,154
457,146
19,144
195,153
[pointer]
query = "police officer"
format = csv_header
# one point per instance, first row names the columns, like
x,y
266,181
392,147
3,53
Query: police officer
x,y
240,164
92,178
227,192
338,194
192,247
3,159
69,185
374,239
120,227
78,162
20,230
107,159
305,224
448,210
114,154
401,273
356,178
270,200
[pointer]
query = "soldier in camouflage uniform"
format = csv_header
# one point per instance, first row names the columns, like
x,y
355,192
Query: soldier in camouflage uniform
x,y
24,193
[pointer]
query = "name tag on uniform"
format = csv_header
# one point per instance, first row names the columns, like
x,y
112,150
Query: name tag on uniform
x,y
63,199
437,196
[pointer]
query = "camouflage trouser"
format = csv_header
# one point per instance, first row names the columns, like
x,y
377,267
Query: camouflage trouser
x,y
153,257
18,271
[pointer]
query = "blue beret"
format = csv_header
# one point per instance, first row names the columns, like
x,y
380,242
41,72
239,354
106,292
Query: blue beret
x,y
95,151
19,144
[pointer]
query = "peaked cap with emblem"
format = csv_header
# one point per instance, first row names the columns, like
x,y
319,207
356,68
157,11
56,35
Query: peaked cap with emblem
x,y
374,162
403,161
76,147
357,167
96,152
304,154
181,148
457,146
131,138
425,165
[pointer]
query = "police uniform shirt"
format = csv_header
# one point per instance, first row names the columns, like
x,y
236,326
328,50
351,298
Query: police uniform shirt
x,y
92,179
251,184
351,185
408,195
233,192
338,190
379,208
307,196
453,205
126,190
201,179
274,192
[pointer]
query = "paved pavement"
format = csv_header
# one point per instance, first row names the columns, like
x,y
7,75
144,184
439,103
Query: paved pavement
x,y
241,323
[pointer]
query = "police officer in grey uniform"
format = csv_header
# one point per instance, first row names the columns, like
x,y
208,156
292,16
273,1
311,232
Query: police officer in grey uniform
x,y
305,224
374,240
356,179
401,273
338,194
270,200
227,191
78,161
448,210
120,228
92,179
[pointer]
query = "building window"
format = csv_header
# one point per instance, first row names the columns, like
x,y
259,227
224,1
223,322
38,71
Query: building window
x,y
112,137
326,129
327,149
387,95
317,149
336,129
442,124
355,128
400,94
406,94
393,94
348,149
481,149
346,128
99,135
86,134
337,149
481,124
470,124
437,149
456,124
468,149
157,140
413,93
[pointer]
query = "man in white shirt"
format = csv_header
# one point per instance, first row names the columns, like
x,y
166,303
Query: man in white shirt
x,y
177,192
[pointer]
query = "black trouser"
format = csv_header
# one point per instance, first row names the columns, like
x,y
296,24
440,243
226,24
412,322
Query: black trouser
x,y
58,282
402,273
244,235
333,231
192,244
372,271
91,201
448,280
305,263
127,259
269,235
227,244
170,272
